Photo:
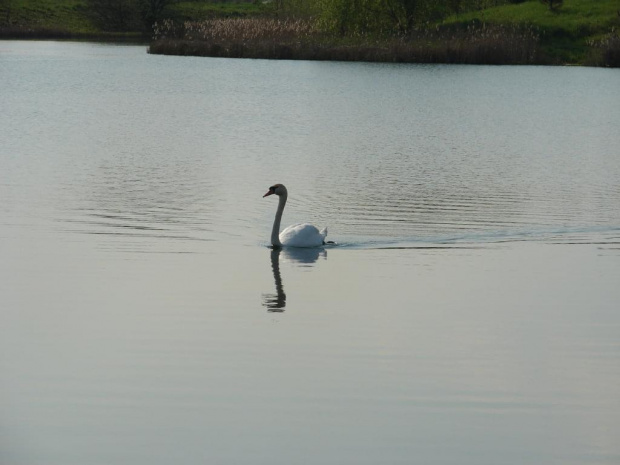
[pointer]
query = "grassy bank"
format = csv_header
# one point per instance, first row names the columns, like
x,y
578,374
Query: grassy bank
x,y
44,17
198,11
581,32
67,19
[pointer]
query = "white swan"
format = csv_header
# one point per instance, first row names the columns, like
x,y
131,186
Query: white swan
x,y
297,235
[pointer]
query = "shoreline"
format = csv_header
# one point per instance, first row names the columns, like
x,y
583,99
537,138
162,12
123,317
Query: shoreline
x,y
396,52
17,33
471,43
438,50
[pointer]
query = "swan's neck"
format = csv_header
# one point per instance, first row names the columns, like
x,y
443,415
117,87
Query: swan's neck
x,y
275,232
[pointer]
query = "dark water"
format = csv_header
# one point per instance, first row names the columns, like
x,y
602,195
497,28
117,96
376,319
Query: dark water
x,y
467,315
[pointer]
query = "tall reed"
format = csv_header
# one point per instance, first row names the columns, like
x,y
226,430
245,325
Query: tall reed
x,y
235,29
300,39
606,51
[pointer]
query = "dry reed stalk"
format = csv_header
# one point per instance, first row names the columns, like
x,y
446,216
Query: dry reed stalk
x,y
606,51
299,39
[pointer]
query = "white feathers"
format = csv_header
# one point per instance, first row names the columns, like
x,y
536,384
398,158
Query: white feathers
x,y
303,235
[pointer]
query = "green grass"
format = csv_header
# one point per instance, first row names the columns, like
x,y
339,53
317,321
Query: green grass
x,y
565,33
52,17
65,15
197,11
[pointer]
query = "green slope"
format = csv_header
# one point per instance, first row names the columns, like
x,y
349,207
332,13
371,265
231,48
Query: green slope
x,y
565,33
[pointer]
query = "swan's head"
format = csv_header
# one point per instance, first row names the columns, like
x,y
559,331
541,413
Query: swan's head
x,y
277,189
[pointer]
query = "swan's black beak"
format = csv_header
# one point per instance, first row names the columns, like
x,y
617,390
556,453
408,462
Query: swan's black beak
x,y
268,193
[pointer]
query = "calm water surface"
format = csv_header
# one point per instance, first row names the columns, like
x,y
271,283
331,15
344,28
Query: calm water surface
x,y
467,315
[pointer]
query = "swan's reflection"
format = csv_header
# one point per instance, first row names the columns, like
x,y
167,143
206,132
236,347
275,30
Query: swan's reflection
x,y
303,257
275,302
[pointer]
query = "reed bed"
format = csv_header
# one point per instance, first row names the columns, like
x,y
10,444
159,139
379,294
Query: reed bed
x,y
235,29
300,39
606,51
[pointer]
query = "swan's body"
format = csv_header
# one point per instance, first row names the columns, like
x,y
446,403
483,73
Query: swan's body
x,y
302,235
297,235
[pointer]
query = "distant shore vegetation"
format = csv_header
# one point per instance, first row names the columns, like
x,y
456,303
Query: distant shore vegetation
x,y
584,32
304,40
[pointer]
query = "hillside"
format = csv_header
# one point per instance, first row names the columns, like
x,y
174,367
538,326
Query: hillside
x,y
566,34
76,18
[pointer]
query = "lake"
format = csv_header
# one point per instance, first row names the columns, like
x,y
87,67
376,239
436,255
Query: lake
x,y
467,314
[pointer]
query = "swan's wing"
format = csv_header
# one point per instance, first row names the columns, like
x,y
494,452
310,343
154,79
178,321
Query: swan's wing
x,y
302,235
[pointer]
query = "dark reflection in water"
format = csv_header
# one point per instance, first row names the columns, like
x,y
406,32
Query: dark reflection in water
x,y
276,302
